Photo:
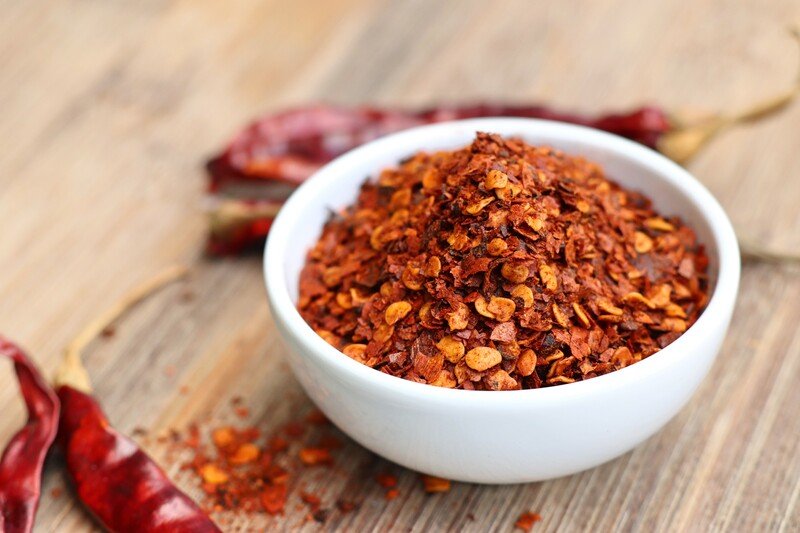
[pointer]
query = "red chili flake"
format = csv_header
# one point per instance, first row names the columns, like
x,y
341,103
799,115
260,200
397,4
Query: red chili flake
x,y
386,481
56,492
346,506
435,484
311,499
242,412
193,440
277,444
501,266
391,494
526,521
315,456
294,429
273,498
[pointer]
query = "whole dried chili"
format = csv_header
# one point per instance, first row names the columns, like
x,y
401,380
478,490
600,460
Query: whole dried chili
x,y
501,266
23,459
264,162
117,482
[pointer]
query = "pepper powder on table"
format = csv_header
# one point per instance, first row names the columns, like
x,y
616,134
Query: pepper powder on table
x,y
501,266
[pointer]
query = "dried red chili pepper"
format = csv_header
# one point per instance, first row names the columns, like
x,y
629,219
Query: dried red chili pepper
x,y
23,459
271,156
121,486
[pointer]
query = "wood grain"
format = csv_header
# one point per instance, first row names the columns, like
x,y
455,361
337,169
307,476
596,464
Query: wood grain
x,y
111,107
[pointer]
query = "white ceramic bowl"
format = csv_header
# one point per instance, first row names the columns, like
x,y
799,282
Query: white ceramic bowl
x,y
501,436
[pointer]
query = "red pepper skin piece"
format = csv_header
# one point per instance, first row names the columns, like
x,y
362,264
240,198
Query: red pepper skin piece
x,y
124,489
23,459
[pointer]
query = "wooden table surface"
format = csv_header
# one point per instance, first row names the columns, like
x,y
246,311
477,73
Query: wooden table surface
x,y
110,108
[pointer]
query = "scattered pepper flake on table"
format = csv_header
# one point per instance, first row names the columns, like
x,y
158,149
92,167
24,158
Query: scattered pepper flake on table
x,y
386,481
515,267
435,484
526,521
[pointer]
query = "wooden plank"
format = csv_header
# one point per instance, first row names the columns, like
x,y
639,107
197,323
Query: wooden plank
x,y
110,109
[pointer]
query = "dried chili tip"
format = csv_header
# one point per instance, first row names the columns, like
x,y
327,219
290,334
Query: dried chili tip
x,y
315,456
386,481
23,459
526,521
273,498
433,484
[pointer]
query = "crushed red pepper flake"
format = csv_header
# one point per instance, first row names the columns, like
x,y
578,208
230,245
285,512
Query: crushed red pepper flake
x,y
433,484
386,481
315,456
273,498
346,506
311,499
243,471
526,521
501,266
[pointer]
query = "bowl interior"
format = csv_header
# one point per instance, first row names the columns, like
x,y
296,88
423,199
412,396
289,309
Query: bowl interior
x,y
672,190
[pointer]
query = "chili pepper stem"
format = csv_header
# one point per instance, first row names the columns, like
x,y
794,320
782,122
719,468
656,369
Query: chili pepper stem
x,y
685,140
230,214
72,372
756,252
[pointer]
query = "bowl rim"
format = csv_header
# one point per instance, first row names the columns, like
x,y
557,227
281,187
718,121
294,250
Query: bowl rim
x,y
716,314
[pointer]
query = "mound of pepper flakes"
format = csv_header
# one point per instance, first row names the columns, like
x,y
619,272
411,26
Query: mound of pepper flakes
x,y
501,266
